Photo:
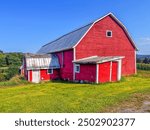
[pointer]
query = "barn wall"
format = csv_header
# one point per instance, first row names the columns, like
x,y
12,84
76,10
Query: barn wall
x,y
65,60
87,73
30,75
25,69
114,72
45,76
96,43
104,72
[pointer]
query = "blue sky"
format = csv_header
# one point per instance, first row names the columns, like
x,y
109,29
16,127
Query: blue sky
x,y
26,25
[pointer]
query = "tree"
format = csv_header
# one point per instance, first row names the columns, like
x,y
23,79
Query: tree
x,y
146,60
12,71
2,60
1,51
14,59
138,60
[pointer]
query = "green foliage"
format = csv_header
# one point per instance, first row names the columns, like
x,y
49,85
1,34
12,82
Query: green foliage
x,y
142,66
16,80
2,60
146,60
14,59
9,65
72,97
2,77
11,71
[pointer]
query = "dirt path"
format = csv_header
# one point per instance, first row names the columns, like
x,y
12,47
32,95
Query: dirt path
x,y
145,108
139,103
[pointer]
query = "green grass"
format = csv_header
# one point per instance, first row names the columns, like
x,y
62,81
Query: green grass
x,y
71,97
142,66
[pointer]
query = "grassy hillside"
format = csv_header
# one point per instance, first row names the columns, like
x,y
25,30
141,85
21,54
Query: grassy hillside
x,y
72,97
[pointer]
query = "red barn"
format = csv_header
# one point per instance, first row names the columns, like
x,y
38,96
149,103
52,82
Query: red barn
x,y
101,51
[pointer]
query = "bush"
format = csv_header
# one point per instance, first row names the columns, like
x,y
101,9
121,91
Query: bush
x,y
143,66
11,72
16,80
2,77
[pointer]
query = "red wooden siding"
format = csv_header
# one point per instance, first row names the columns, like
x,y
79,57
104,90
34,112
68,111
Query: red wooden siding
x,y
108,71
30,75
45,76
96,43
87,73
66,70
104,72
114,71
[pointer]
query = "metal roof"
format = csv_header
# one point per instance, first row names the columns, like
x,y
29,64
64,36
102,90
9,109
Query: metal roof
x,y
65,42
97,59
71,39
46,61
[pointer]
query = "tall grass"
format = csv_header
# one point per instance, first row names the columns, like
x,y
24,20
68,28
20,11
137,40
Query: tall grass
x,y
142,66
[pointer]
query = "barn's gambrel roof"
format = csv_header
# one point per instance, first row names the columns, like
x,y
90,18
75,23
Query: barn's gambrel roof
x,y
71,40
65,42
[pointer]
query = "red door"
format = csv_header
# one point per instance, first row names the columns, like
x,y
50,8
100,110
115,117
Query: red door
x,y
104,72
114,71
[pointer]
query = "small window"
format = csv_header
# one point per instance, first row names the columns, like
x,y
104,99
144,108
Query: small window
x,y
50,71
108,33
77,68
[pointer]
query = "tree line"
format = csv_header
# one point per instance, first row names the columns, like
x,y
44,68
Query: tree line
x,y
9,64
145,60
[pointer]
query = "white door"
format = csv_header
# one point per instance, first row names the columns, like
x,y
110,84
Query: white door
x,y
35,76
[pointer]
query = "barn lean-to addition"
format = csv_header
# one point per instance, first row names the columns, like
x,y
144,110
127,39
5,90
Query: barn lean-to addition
x,y
101,51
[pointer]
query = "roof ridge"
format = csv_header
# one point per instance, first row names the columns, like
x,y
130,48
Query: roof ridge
x,y
68,33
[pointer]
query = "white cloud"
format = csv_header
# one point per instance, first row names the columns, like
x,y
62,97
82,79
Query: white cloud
x,y
144,40
144,45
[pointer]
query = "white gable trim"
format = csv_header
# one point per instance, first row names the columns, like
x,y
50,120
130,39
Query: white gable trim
x,y
90,28
121,24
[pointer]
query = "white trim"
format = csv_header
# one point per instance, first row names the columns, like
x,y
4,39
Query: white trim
x,y
83,35
85,58
77,65
97,73
135,64
29,75
91,27
107,33
110,76
124,28
113,59
74,58
74,54
51,70
119,69
121,24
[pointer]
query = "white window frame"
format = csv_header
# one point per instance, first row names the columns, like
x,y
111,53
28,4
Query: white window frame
x,y
107,33
77,65
51,71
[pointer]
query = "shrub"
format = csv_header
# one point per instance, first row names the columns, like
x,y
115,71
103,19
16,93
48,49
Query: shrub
x,y
143,66
2,77
12,71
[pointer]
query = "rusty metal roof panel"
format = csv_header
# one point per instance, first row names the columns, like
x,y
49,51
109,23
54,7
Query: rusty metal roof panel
x,y
41,61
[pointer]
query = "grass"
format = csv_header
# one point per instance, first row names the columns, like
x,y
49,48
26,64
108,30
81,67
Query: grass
x,y
72,97
142,66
